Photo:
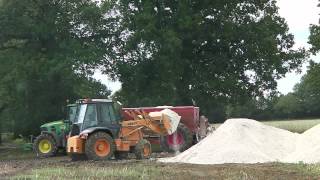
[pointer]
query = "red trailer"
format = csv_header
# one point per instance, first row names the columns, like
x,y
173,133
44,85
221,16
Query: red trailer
x,y
191,129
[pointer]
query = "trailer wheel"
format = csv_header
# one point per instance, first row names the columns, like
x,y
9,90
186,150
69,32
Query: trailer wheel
x,y
121,155
99,146
143,149
178,141
45,146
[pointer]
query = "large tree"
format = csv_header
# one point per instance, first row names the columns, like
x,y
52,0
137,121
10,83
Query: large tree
x,y
308,91
208,52
309,87
48,50
288,106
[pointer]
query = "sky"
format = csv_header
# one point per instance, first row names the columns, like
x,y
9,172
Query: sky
x,y
299,14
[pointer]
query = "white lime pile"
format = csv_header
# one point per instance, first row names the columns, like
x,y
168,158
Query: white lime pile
x,y
307,147
249,141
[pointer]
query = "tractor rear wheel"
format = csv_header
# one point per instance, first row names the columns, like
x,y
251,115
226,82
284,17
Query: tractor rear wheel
x,y
143,149
45,146
178,141
99,146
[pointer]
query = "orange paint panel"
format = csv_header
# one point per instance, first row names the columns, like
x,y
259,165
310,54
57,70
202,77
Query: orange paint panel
x,y
130,133
75,145
122,145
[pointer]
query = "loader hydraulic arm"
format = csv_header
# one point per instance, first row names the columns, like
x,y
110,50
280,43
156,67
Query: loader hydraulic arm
x,y
158,124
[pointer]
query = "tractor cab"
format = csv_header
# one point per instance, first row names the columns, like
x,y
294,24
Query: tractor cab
x,y
96,114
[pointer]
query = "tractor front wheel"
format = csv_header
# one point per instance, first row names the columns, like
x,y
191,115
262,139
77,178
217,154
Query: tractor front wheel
x,y
143,149
45,146
100,146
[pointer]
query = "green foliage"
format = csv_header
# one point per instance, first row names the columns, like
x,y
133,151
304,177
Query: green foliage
x,y
308,90
314,38
244,110
207,52
261,108
288,106
48,50
302,103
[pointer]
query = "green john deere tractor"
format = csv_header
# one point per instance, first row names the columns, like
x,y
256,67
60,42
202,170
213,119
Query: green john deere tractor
x,y
53,135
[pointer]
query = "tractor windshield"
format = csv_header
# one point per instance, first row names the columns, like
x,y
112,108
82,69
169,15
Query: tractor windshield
x,y
87,116
80,114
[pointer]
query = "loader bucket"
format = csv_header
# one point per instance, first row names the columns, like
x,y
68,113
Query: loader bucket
x,y
168,118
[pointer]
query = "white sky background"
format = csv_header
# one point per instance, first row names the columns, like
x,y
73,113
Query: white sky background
x,y
299,14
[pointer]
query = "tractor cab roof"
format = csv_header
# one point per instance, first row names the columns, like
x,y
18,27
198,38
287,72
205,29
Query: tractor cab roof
x,y
87,101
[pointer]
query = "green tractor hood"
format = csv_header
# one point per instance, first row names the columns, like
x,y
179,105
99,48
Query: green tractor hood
x,y
53,123
54,127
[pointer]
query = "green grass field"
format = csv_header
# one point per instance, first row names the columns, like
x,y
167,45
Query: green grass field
x,y
298,126
154,170
94,172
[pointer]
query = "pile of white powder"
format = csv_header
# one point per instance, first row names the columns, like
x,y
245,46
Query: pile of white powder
x,y
249,141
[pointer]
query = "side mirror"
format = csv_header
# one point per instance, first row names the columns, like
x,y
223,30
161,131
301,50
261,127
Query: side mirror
x,y
119,103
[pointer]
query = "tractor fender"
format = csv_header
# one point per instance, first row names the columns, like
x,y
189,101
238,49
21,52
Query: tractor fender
x,y
89,131
55,137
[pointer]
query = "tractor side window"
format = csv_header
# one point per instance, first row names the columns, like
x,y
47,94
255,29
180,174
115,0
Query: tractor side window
x,y
107,114
81,113
90,119
112,114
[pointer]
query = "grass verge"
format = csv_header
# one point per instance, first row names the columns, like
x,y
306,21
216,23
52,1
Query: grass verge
x,y
95,172
153,170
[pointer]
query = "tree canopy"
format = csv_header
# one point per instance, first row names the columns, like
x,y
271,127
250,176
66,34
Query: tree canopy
x,y
219,55
48,50
204,52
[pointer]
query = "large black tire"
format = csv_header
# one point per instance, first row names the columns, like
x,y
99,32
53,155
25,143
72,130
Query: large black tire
x,y
97,140
121,155
45,146
184,133
143,149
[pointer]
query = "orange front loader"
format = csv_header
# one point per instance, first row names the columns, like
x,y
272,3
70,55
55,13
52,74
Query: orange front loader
x,y
97,139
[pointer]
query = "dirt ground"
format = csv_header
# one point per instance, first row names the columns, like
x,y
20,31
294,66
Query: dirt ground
x,y
11,168
15,162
